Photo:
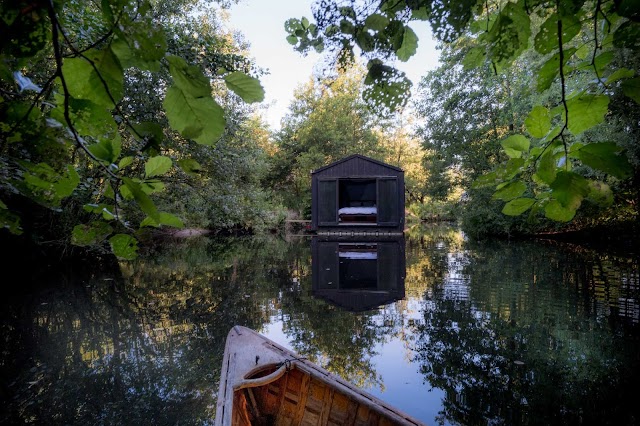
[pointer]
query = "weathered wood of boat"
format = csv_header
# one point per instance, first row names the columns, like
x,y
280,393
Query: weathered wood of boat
x,y
262,383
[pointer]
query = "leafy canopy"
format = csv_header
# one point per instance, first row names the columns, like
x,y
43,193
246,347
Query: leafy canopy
x,y
70,123
574,38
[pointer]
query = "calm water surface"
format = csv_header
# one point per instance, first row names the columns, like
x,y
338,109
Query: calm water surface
x,y
450,331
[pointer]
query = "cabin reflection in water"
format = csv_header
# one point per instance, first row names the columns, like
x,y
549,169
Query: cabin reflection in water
x,y
358,275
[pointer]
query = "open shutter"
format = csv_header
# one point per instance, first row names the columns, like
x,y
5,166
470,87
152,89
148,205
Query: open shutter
x,y
389,265
328,268
327,202
387,202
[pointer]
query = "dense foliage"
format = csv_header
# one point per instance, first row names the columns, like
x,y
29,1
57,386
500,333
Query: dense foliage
x,y
105,106
580,60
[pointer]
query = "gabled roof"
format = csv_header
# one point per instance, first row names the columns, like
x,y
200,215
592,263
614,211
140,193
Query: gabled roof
x,y
362,157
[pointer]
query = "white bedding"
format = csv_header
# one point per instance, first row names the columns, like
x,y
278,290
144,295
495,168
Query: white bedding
x,y
358,255
358,210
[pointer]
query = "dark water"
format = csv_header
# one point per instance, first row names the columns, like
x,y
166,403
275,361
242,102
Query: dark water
x,y
499,333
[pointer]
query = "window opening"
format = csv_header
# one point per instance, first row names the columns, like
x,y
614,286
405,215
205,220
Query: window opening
x,y
357,202
358,266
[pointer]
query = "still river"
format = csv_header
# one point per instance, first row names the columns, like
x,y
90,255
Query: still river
x,y
450,331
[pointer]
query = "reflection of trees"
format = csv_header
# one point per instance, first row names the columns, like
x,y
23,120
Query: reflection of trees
x,y
143,343
517,346
146,348
340,341
344,342
427,250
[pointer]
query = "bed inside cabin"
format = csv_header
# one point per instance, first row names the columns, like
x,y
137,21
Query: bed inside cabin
x,y
357,201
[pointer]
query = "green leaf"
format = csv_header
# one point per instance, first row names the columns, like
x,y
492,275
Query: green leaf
x,y
376,22
156,166
600,62
510,191
515,145
546,170
486,180
556,211
627,36
200,119
474,57
291,25
293,40
604,156
150,132
620,74
44,184
165,219
386,88
569,189
88,118
106,150
600,193
105,210
152,186
548,72
188,78
511,168
65,185
546,40
409,45
125,161
538,122
347,27
124,246
365,40
190,166
248,88
509,35
586,111
143,200
518,206
90,234
101,83
631,88
171,220
142,45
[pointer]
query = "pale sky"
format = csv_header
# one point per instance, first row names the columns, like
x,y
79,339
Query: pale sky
x,y
262,23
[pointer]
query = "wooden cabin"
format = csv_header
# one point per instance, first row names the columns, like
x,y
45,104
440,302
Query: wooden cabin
x,y
358,275
357,195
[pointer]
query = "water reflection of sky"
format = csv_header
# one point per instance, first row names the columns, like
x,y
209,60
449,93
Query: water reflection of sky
x,y
402,385
405,387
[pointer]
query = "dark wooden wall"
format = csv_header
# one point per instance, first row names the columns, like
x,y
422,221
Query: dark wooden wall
x,y
356,167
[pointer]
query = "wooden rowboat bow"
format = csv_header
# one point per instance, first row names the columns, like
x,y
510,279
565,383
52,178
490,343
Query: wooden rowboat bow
x,y
263,383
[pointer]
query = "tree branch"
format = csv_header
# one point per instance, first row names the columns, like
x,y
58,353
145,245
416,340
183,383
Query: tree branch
x,y
57,50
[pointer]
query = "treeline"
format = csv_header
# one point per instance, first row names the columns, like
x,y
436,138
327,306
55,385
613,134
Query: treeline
x,y
536,101
128,117
466,114
124,117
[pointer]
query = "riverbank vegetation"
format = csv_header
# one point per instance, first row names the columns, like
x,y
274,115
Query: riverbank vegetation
x,y
131,117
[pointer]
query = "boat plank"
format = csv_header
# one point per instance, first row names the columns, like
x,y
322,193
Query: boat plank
x,y
305,385
327,405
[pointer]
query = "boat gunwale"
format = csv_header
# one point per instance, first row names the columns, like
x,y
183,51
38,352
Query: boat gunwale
x,y
286,359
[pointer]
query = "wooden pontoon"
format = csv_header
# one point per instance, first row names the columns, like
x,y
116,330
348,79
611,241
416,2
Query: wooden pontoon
x,y
262,383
